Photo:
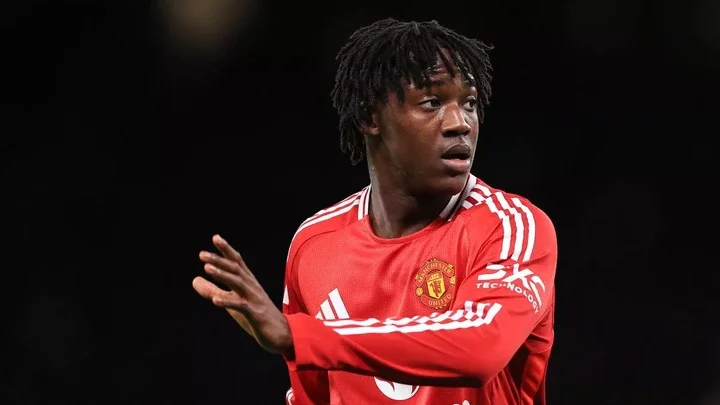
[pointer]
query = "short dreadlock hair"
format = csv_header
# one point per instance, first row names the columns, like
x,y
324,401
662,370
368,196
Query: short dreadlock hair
x,y
379,57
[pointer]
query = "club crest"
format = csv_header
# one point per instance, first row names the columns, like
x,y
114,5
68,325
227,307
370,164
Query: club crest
x,y
435,283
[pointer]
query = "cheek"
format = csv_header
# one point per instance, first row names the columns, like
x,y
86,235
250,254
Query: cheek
x,y
410,137
472,119
474,123
474,130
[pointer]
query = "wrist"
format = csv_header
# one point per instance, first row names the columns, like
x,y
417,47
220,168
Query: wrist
x,y
286,346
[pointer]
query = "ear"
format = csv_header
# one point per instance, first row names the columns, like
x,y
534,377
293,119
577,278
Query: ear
x,y
369,126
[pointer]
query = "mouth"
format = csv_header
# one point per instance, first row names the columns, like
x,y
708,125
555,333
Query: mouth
x,y
456,156
457,159
458,152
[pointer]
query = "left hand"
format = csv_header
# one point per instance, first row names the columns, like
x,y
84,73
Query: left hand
x,y
246,298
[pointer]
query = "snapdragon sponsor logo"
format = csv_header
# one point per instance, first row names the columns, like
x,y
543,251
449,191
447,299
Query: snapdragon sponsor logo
x,y
523,282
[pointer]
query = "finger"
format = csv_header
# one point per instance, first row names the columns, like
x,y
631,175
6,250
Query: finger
x,y
218,296
227,250
231,280
209,290
205,288
236,306
221,262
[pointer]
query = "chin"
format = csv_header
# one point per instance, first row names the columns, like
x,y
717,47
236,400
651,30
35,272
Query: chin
x,y
449,185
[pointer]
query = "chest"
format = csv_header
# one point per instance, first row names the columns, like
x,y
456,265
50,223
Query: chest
x,y
346,277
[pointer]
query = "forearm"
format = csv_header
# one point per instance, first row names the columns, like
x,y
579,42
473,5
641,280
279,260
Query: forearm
x,y
457,348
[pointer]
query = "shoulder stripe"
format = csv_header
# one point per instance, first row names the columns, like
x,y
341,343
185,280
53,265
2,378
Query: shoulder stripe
x,y
455,204
364,203
341,204
338,209
509,215
332,214
531,228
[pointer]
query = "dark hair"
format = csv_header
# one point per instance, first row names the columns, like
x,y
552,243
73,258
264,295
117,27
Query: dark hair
x,y
378,57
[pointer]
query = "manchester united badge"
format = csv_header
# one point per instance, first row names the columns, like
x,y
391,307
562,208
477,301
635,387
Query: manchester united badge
x,y
435,283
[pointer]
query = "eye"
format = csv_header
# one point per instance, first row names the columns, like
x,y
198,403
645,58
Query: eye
x,y
431,103
470,104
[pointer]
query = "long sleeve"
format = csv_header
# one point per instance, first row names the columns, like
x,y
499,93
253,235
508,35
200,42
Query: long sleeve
x,y
507,291
306,386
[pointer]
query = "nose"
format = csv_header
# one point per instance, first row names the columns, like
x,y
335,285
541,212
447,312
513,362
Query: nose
x,y
454,122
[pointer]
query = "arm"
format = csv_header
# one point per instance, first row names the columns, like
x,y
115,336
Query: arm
x,y
307,386
497,306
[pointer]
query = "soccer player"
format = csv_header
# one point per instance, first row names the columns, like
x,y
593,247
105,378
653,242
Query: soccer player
x,y
428,286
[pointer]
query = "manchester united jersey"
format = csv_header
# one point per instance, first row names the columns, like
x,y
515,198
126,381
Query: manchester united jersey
x,y
459,313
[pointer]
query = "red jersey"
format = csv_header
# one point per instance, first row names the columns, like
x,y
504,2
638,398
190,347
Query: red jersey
x,y
459,313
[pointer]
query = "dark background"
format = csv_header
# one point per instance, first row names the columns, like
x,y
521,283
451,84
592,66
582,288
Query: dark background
x,y
134,131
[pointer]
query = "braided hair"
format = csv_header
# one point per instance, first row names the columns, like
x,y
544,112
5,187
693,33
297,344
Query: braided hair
x,y
379,57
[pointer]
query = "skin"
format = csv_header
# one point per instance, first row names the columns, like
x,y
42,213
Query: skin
x,y
411,184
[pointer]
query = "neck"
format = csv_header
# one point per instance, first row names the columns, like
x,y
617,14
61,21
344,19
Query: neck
x,y
395,212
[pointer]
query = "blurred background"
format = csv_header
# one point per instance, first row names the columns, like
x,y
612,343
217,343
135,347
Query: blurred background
x,y
134,131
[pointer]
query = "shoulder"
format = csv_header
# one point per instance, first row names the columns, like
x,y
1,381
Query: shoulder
x,y
331,219
519,224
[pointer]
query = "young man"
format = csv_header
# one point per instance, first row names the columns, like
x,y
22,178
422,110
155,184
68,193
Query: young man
x,y
428,286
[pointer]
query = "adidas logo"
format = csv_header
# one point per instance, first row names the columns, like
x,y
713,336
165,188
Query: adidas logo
x,y
333,308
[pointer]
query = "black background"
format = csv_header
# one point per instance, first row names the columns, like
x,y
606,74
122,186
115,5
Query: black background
x,y
129,140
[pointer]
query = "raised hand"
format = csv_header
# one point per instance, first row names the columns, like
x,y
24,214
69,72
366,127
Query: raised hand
x,y
247,302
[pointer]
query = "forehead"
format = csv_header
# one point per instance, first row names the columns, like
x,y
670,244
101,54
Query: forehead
x,y
443,72
439,75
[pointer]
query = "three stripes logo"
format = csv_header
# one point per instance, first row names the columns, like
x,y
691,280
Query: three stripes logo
x,y
334,308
